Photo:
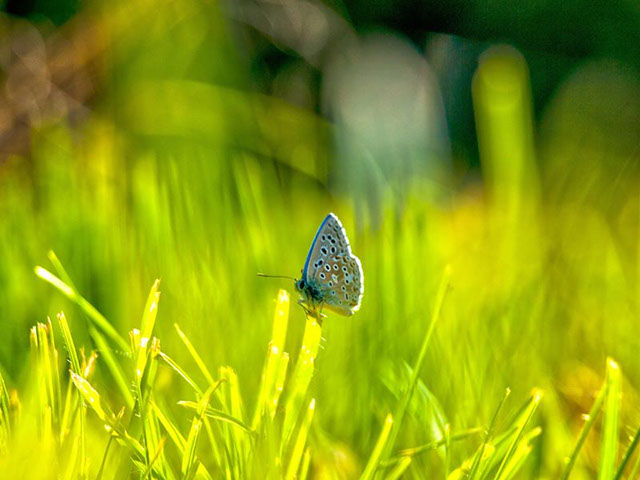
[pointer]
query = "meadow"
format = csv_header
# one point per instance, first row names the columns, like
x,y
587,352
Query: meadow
x,y
498,333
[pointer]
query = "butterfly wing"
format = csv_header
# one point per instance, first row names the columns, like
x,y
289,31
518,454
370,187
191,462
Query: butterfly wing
x,y
333,269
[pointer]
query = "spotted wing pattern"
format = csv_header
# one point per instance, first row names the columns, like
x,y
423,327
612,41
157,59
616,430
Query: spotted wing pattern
x,y
335,271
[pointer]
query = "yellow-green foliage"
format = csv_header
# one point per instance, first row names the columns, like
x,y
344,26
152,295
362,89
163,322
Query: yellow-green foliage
x,y
179,170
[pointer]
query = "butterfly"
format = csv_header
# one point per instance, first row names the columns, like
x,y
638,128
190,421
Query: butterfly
x,y
332,277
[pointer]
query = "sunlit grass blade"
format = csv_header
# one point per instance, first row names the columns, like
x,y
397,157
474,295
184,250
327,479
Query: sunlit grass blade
x,y
5,420
96,317
69,343
217,415
205,371
71,460
62,272
98,324
301,440
375,457
399,469
71,401
499,452
108,358
278,385
144,350
455,437
148,420
586,428
104,458
304,468
45,358
636,468
521,425
478,458
189,456
169,361
92,398
174,434
447,449
55,375
609,446
146,329
176,437
275,366
194,353
520,455
154,458
232,403
299,381
198,391
627,455
417,367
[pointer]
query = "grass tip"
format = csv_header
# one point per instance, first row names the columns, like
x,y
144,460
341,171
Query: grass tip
x,y
283,295
537,394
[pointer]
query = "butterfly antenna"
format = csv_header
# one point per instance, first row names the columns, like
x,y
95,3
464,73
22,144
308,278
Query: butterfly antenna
x,y
276,276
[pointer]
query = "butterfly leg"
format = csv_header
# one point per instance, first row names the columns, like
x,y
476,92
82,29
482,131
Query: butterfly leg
x,y
311,312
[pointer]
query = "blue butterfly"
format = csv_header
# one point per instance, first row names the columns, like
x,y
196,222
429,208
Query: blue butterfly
x,y
332,277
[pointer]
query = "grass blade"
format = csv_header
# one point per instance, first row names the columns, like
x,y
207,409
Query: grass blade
x,y
503,471
98,323
217,415
586,428
274,370
376,454
399,469
5,420
189,458
146,330
194,353
478,458
628,454
301,440
609,447
304,468
417,367
301,378
96,317
412,452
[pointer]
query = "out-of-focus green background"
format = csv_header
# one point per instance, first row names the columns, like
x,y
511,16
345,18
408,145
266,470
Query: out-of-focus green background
x,y
203,142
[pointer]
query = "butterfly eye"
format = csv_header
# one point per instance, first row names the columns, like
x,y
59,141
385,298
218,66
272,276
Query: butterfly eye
x,y
324,250
322,276
327,268
335,266
333,249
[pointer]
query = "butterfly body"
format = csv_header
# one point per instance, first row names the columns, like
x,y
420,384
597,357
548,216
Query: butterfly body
x,y
332,277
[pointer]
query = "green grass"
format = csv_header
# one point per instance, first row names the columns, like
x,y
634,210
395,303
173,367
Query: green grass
x,y
151,445
278,442
523,279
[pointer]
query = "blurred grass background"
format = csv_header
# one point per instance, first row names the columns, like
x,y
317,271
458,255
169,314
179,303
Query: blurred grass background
x,y
203,142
